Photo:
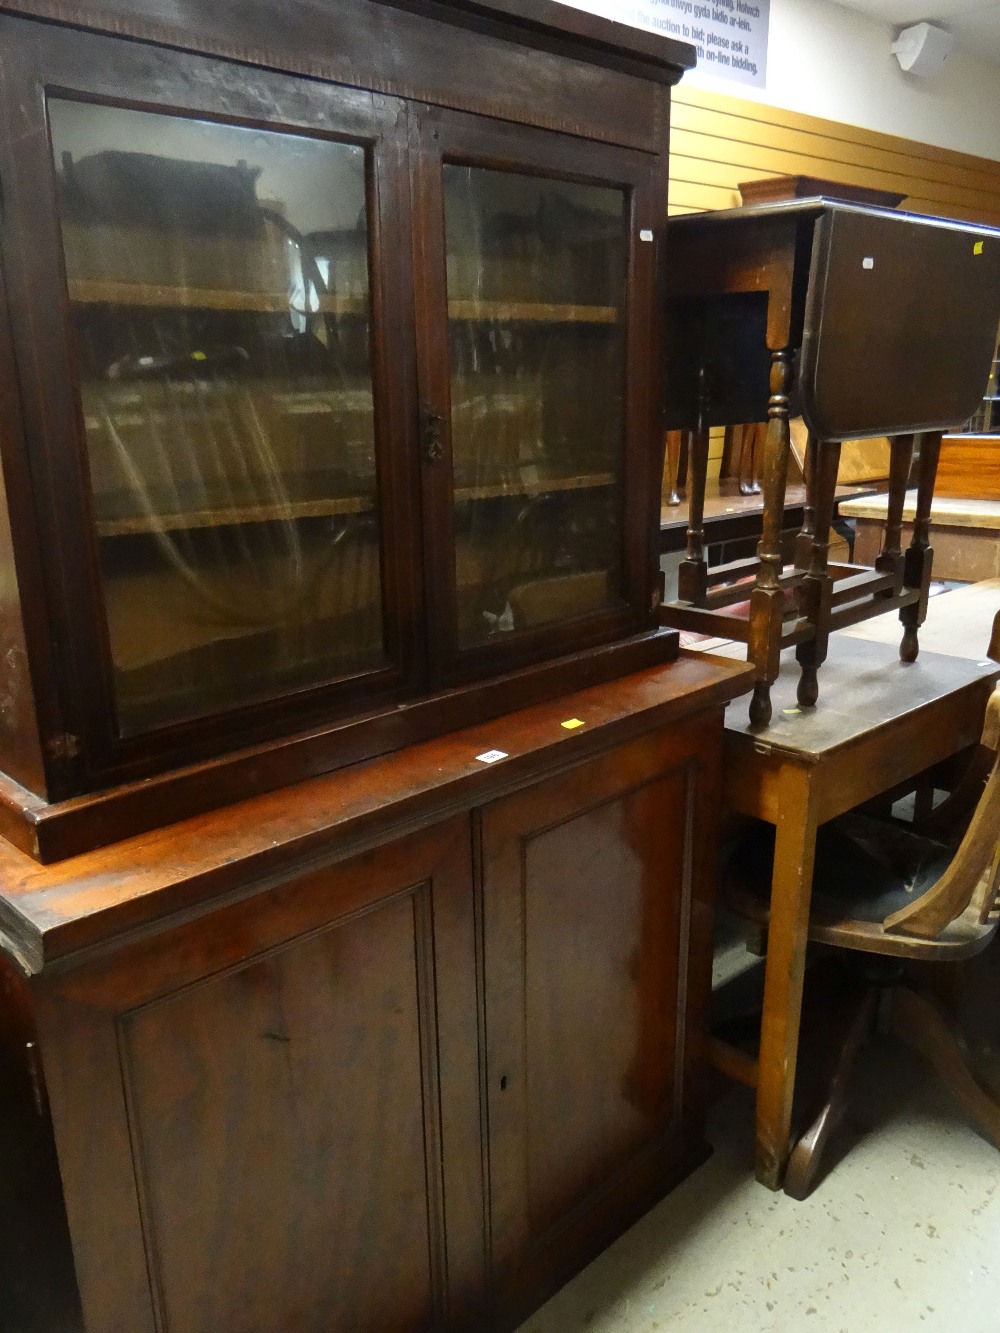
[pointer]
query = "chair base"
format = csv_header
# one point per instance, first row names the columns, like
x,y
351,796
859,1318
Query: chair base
x,y
920,1021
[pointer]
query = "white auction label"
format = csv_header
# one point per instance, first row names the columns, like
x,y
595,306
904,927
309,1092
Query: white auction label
x,y
491,756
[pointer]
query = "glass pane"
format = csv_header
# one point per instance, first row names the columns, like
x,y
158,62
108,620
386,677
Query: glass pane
x,y
218,280
536,304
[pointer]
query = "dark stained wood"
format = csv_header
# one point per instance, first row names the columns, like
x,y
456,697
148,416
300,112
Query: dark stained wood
x,y
921,1021
692,576
807,256
49,912
36,1263
741,451
439,138
919,554
266,996
767,600
916,372
307,1000
376,69
856,310
890,558
769,189
49,832
617,45
815,592
804,540
278,1054
858,1022
19,738
471,61
567,1116
85,752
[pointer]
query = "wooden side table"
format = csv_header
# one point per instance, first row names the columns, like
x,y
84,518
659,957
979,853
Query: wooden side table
x,y
883,722
866,321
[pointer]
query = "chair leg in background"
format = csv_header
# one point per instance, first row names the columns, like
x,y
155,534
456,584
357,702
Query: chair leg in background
x,y
920,1020
857,1022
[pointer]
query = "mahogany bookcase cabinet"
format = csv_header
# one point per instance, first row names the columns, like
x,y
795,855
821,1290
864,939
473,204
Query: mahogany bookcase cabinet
x,y
332,373
356,880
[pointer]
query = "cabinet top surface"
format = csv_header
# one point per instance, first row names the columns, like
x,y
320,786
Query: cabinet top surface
x,y
585,36
84,902
808,210
551,16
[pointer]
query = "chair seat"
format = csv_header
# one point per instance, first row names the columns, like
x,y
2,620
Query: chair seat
x,y
864,872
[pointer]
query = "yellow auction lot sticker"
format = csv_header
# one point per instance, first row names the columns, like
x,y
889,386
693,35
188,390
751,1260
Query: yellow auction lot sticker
x,y
572,724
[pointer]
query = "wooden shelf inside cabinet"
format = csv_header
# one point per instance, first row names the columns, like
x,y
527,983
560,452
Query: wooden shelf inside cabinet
x,y
533,312
93,291
105,291
231,516
543,486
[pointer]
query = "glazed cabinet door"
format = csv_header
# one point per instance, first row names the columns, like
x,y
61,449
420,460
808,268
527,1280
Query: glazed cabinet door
x,y
276,1123
220,435
535,268
597,931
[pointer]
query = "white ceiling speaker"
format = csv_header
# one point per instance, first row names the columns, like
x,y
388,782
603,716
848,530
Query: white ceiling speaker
x,y
922,49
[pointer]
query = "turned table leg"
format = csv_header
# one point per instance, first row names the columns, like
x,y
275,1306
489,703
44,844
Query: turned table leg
x,y
919,556
755,437
743,456
804,541
692,576
672,459
890,558
816,588
767,602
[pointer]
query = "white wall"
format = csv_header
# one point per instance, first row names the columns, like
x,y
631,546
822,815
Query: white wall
x,y
828,61
832,62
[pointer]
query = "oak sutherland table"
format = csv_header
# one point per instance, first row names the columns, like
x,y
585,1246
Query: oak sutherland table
x,y
867,322
398,1049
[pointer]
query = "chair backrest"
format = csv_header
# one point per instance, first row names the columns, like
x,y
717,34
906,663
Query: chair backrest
x,y
970,884
994,648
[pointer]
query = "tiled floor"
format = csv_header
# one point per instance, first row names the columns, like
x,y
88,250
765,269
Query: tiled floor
x,y
902,1237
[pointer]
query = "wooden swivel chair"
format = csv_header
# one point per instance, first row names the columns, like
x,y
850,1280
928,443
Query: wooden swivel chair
x,y
880,889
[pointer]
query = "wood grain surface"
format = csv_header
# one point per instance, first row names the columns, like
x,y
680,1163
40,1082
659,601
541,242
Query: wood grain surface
x,y
49,911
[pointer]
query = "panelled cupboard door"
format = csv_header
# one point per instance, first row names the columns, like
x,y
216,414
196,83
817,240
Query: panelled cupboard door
x,y
535,270
596,971
221,432
279,1108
